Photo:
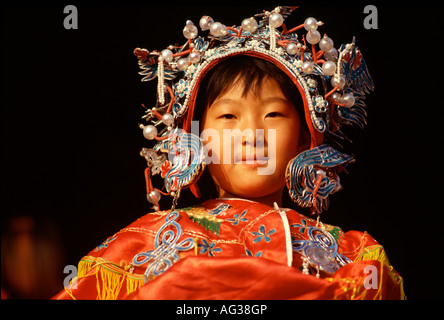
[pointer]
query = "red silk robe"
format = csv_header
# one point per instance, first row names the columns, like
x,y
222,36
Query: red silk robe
x,y
233,249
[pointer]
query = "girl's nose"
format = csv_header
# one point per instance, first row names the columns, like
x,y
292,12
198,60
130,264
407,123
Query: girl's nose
x,y
253,136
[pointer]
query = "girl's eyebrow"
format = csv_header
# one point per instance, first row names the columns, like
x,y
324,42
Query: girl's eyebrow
x,y
224,101
275,99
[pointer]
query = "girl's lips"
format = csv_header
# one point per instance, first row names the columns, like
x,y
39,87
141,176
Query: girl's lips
x,y
253,164
252,161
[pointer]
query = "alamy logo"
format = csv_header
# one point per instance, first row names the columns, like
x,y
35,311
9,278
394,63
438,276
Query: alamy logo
x,y
371,20
371,281
71,21
70,280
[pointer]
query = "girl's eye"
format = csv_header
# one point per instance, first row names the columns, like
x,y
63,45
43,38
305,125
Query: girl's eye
x,y
274,115
228,116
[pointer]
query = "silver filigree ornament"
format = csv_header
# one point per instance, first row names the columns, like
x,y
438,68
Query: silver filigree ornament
x,y
153,160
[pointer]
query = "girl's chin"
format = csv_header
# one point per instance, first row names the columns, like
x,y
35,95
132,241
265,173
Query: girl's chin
x,y
254,189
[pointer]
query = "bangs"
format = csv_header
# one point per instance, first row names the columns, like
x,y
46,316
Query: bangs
x,y
247,72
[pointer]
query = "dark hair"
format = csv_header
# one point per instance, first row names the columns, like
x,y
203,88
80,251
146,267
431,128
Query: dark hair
x,y
251,71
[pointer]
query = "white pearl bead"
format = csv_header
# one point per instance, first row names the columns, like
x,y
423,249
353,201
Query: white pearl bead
x,y
249,25
167,119
348,100
321,172
338,80
205,23
217,29
167,55
326,44
276,20
292,49
336,96
190,31
194,57
307,67
153,196
182,64
149,132
310,24
331,55
313,36
329,68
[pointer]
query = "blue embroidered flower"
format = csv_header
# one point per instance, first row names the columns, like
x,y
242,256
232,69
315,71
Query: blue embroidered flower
x,y
302,226
238,218
250,253
262,234
105,244
208,247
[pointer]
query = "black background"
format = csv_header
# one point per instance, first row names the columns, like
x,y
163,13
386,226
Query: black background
x,y
71,104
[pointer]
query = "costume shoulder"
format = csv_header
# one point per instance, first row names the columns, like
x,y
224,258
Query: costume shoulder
x,y
378,278
118,266
233,248
107,272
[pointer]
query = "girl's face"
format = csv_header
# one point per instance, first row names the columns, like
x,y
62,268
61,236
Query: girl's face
x,y
237,174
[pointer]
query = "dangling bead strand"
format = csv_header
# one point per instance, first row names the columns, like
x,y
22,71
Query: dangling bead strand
x,y
275,21
305,265
160,83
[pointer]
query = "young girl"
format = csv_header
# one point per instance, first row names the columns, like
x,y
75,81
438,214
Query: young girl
x,y
266,104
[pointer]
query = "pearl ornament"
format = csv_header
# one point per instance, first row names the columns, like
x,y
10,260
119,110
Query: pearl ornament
x,y
182,64
167,55
338,80
249,25
167,119
307,67
217,29
329,68
313,36
276,20
153,197
326,44
348,99
205,23
336,97
292,48
194,57
331,55
310,24
190,30
149,132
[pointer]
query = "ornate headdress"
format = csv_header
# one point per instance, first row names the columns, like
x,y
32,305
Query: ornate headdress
x,y
332,82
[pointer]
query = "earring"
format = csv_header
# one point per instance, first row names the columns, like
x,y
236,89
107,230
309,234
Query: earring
x,y
313,175
180,163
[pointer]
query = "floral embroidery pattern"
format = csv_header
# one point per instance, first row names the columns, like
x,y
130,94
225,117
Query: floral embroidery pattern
x,y
205,218
238,218
250,253
302,226
262,235
208,247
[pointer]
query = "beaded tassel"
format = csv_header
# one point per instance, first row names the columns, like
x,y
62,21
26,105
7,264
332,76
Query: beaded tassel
x,y
160,83
305,265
